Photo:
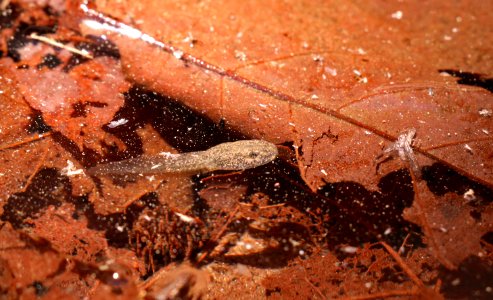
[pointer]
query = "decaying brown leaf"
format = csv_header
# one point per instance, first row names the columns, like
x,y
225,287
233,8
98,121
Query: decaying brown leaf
x,y
341,98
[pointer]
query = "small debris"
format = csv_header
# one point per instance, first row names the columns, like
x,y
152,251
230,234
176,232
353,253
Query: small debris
x,y
469,195
331,71
361,51
456,282
403,147
349,249
485,112
397,15
156,166
185,218
71,170
117,123
317,58
178,54
240,55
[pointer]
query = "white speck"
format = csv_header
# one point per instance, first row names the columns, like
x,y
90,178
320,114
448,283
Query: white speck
x,y
185,218
156,166
294,242
305,45
116,275
469,195
120,227
368,285
357,72
248,246
240,55
443,229
455,30
468,148
1,92
254,117
211,28
456,282
262,105
330,71
168,154
484,112
190,40
387,231
485,131
324,172
147,218
71,170
151,178
447,37
367,132
178,54
117,123
397,15
361,51
314,97
349,249
431,92
291,124
104,267
301,252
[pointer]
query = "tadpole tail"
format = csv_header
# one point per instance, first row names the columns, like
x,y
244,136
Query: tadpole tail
x,y
138,165
149,165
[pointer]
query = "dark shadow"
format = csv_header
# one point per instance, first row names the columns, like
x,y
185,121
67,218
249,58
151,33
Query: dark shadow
x,y
473,279
473,79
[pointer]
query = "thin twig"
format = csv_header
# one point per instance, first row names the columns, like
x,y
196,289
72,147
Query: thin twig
x,y
220,233
387,294
25,141
403,265
55,43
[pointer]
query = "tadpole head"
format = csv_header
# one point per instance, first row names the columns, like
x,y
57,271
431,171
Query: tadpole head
x,y
241,155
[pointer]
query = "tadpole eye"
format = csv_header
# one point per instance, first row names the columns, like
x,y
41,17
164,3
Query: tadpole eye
x,y
253,154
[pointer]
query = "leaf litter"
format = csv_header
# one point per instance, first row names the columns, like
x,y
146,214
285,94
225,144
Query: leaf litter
x,y
312,219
